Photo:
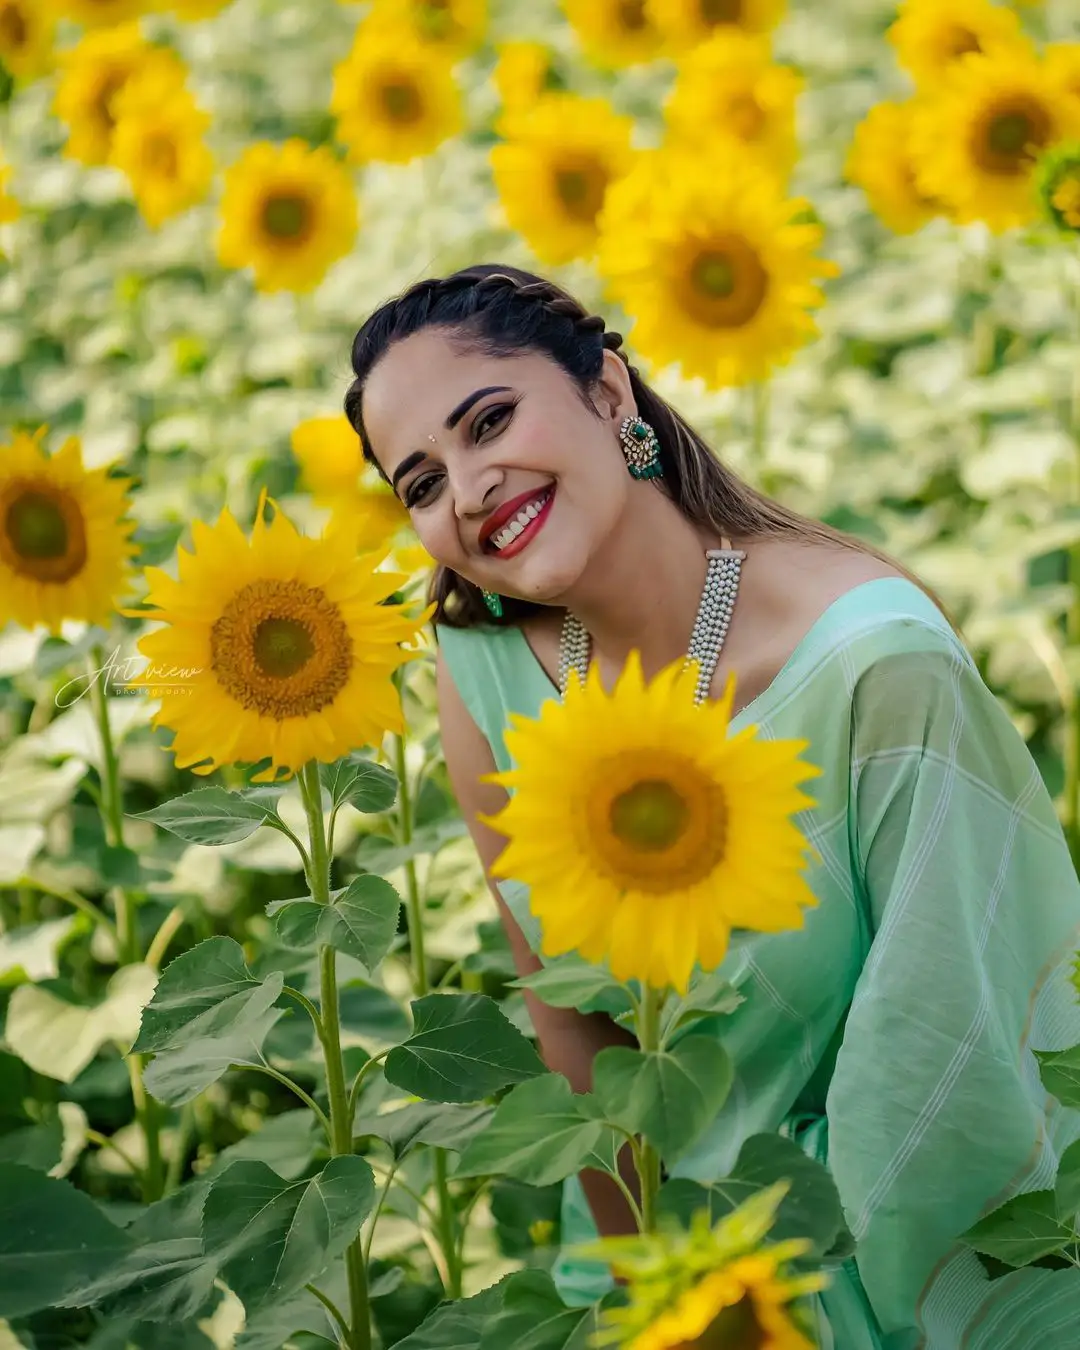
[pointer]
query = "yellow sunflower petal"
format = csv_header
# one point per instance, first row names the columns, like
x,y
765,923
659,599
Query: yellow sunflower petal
x,y
614,33
454,27
158,142
880,163
930,38
685,23
26,38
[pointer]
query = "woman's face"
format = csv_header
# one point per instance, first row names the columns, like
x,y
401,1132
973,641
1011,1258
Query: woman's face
x,y
510,479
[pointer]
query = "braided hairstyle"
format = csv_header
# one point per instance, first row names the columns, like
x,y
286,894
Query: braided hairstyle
x,y
500,311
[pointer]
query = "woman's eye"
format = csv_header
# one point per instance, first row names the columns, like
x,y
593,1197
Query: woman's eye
x,y
491,417
420,490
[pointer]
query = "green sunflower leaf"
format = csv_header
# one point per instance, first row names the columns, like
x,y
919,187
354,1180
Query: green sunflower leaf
x,y
367,786
669,1096
570,984
212,815
1022,1230
462,1048
361,920
1060,1073
541,1133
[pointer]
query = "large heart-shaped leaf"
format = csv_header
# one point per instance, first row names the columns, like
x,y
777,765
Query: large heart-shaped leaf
x,y
670,1096
361,782
213,815
462,1048
457,1325
1022,1230
541,1133
571,984
532,1316
1060,1073
272,1237
1067,1184
437,1123
53,1240
361,920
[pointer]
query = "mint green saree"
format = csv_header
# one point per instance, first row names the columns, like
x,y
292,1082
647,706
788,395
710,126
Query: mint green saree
x,y
892,1037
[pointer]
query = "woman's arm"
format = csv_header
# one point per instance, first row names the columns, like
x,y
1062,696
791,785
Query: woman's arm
x,y
569,1040
936,1112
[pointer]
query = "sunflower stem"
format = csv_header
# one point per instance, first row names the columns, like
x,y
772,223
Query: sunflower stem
x,y
359,1337
447,1227
127,934
1072,749
648,1158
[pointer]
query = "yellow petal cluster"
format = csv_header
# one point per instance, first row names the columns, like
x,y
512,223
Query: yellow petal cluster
x,y
9,206
976,143
731,88
394,97
554,170
65,545
645,832
716,265
97,13
94,72
288,212
287,648
26,38
684,23
455,27
1063,66
521,73
159,144
710,1286
931,37
880,163
614,33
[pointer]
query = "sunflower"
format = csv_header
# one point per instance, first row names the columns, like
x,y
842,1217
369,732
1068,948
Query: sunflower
x,y
26,38
94,72
394,97
193,10
1063,65
644,832
880,163
456,27
716,266
158,143
98,13
710,1286
930,37
64,536
1058,186
976,143
521,74
614,33
9,205
287,644
685,23
333,471
730,86
554,171
288,211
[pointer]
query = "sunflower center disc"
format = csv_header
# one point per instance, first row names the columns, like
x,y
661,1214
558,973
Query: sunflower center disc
x,y
650,816
43,535
281,648
961,41
401,100
721,11
285,216
631,15
13,30
725,283
1014,135
36,526
737,1328
581,189
436,20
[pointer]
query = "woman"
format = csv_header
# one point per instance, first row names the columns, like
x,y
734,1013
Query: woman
x,y
893,1036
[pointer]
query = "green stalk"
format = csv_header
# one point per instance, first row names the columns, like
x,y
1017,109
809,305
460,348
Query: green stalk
x,y
340,1120
127,934
647,1158
1072,747
447,1233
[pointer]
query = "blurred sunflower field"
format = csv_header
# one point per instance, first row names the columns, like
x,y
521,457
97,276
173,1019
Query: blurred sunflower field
x,y
266,1074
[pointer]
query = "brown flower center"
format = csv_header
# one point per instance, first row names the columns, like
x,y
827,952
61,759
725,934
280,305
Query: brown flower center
x,y
580,185
44,537
287,215
107,90
1009,139
14,31
631,15
401,101
281,648
159,155
721,11
649,816
725,283
736,1328
958,41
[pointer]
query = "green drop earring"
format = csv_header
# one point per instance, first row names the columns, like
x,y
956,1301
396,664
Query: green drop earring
x,y
640,448
494,603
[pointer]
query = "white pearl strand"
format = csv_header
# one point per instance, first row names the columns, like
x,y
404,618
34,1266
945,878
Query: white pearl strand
x,y
706,640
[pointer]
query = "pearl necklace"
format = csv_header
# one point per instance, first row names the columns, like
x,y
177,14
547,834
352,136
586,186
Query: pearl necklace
x,y
709,631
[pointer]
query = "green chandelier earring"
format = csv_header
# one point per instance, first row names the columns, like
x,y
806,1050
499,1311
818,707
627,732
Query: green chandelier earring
x,y
494,603
640,448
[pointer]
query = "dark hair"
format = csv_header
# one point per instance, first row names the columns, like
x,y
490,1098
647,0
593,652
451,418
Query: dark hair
x,y
501,311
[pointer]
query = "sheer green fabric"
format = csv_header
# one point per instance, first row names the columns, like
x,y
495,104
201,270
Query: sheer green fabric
x,y
892,1037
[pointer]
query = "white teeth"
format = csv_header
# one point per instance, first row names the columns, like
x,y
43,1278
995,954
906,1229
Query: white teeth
x,y
513,528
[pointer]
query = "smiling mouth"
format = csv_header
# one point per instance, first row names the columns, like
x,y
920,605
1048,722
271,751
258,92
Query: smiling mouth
x,y
521,528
